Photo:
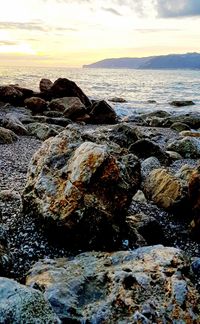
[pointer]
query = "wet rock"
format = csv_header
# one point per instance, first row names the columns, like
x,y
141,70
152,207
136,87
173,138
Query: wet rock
x,y
11,95
186,147
43,131
157,113
66,88
151,101
196,266
117,99
179,127
145,148
182,103
35,104
20,304
7,136
14,124
122,287
45,85
102,113
82,187
149,165
165,190
71,107
53,113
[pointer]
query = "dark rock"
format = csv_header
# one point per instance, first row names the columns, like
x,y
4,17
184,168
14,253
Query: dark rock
x,y
147,285
36,105
45,85
145,148
182,103
193,121
102,113
196,266
117,99
61,121
125,135
71,107
20,304
67,88
10,94
151,101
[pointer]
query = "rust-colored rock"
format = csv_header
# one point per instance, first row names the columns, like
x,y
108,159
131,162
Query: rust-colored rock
x,y
82,187
164,189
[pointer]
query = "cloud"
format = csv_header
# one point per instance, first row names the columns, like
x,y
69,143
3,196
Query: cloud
x,y
7,43
177,8
23,25
156,30
112,11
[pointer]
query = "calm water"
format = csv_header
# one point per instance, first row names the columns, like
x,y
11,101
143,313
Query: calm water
x,y
136,86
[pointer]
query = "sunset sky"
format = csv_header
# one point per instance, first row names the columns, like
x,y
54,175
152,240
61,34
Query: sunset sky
x,y
76,32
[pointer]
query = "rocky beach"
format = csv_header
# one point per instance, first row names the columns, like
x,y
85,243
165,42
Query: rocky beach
x,y
99,215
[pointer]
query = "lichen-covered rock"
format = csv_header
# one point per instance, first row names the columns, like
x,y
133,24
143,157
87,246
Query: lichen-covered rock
x,y
165,189
45,85
43,131
187,147
102,113
20,304
147,285
7,136
35,104
83,187
72,107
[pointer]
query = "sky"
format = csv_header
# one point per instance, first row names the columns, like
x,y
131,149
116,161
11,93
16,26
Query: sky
x,y
76,32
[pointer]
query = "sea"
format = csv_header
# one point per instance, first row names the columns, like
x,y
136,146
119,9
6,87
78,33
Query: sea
x,y
137,87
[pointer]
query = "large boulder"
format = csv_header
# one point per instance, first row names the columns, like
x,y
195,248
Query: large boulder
x,y
102,113
124,134
147,285
7,136
10,94
71,107
20,304
165,190
66,88
82,187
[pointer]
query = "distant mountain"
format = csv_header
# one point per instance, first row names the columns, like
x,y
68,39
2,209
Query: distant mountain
x,y
171,61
